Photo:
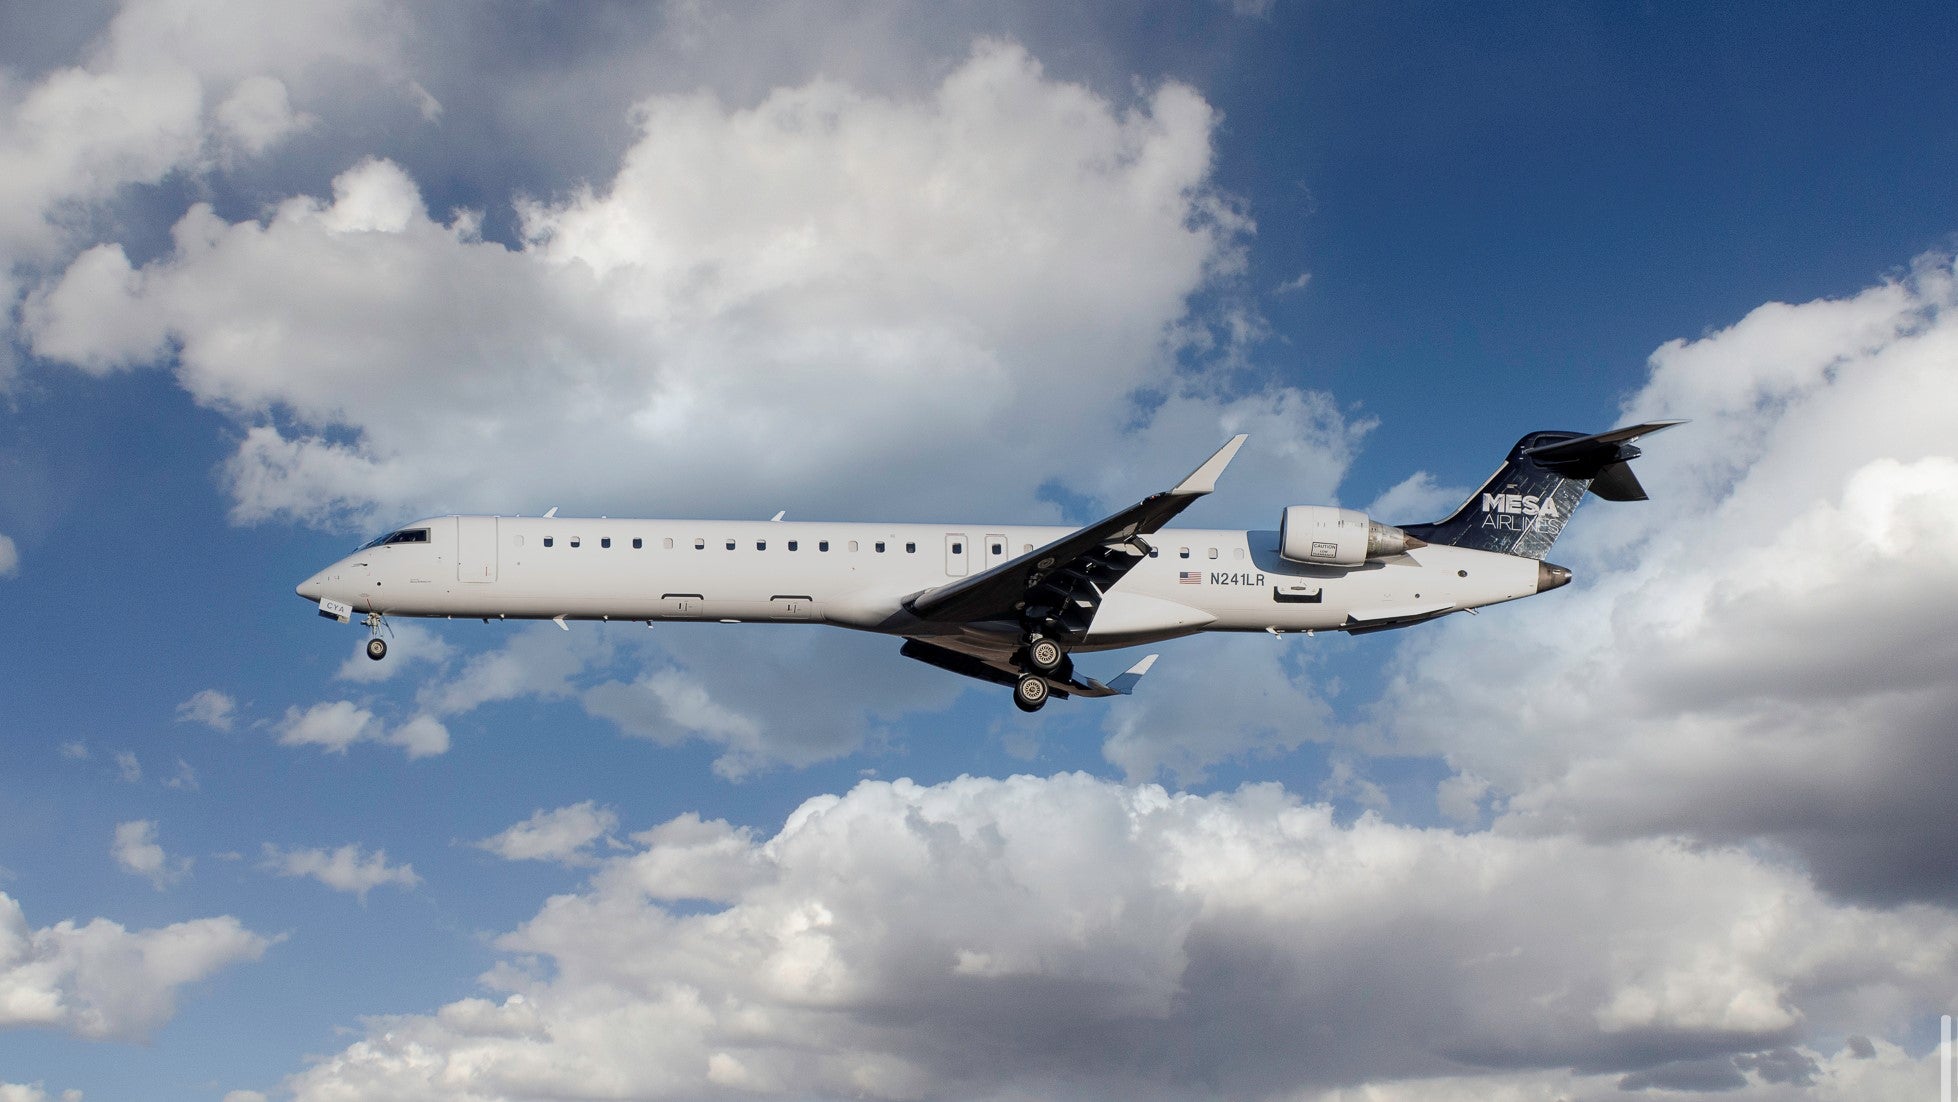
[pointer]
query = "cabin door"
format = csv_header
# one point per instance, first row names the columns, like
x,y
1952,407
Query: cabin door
x,y
475,549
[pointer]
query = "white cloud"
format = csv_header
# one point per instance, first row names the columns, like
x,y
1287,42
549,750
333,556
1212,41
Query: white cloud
x,y
137,851
75,751
423,736
1003,256
9,558
346,869
170,86
1416,499
1758,652
127,767
99,980
185,778
564,835
212,708
904,941
331,725
35,1092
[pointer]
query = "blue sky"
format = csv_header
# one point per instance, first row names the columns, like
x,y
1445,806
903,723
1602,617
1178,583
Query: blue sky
x,y
274,283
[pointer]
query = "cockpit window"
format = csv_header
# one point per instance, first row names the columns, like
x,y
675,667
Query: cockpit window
x,y
406,535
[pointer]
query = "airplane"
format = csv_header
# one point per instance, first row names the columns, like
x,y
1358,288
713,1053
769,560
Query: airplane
x,y
1008,604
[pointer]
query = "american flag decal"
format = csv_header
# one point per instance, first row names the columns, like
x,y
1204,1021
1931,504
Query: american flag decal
x,y
1190,577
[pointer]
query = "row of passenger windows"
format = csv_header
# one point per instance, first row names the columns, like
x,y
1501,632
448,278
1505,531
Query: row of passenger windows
x,y
910,547
700,544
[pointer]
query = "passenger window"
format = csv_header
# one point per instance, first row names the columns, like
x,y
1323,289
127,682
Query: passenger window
x,y
792,545
1026,548
637,543
1237,552
1182,552
880,547
548,541
999,549
516,541
666,544
958,549
1213,552
730,545
1155,552
910,548
576,541
853,545
761,545
605,541
700,545
822,545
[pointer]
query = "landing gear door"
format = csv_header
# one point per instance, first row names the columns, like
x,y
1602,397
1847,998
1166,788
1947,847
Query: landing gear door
x,y
475,549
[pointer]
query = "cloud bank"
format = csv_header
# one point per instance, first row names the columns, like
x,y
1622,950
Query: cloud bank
x,y
799,299
1073,937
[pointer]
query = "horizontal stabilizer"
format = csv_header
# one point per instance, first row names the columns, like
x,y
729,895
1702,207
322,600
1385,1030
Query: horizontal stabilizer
x,y
1584,456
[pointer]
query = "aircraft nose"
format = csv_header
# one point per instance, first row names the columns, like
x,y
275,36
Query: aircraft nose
x,y
310,589
1549,576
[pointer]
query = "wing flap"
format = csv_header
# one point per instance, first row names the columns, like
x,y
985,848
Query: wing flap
x,y
996,666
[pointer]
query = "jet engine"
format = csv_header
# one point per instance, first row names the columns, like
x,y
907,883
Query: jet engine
x,y
1321,535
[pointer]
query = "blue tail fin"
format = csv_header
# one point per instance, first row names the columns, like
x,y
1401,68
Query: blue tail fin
x,y
1523,507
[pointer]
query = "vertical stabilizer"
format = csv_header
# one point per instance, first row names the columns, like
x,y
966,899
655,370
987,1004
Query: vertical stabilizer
x,y
1527,502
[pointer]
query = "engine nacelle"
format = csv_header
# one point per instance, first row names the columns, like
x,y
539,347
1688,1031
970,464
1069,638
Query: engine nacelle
x,y
1322,535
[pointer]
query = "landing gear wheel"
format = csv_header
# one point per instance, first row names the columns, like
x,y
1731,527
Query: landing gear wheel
x,y
1030,693
377,648
1044,655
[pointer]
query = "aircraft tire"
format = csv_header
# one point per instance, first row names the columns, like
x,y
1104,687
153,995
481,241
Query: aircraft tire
x,y
1030,693
1045,655
377,648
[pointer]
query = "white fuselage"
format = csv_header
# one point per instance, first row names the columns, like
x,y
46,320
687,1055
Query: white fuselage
x,y
859,576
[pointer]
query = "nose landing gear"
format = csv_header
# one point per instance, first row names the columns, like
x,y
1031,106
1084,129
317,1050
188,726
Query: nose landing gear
x,y
377,647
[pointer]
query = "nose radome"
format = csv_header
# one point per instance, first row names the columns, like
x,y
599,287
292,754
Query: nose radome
x,y
309,589
1549,576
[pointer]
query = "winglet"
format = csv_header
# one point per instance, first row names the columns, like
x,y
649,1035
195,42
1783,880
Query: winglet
x,y
552,513
1204,478
1125,683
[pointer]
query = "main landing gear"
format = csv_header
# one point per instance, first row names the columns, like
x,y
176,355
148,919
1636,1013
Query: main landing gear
x,y
1030,692
1041,659
377,647
1044,655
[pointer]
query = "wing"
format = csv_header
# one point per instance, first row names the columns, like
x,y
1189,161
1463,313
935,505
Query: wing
x,y
973,658
1057,589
